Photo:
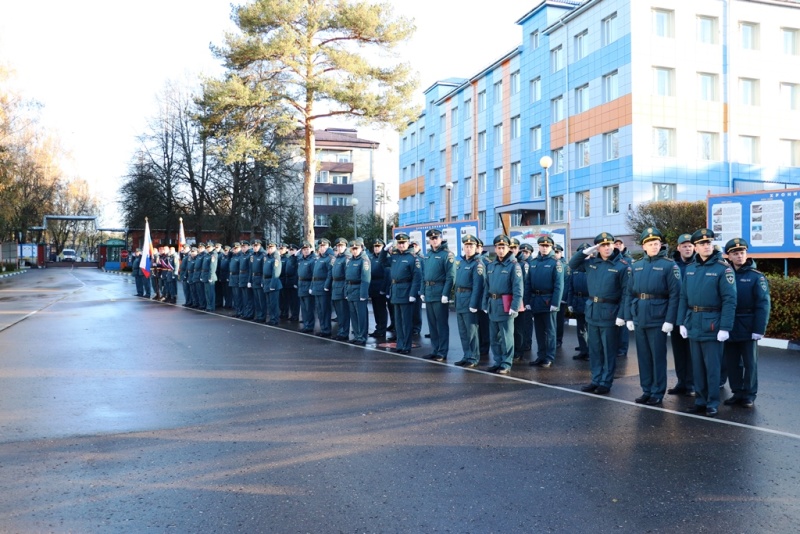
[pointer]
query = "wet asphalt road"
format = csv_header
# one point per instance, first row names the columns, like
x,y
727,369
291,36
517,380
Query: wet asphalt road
x,y
124,415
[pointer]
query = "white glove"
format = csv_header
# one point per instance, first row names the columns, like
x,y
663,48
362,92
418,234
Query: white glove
x,y
571,310
294,286
422,298
513,313
722,335
381,292
588,251
619,322
756,337
362,300
475,310
553,308
445,300
412,299
249,285
528,307
667,328
629,325
326,289
486,312
310,291
684,332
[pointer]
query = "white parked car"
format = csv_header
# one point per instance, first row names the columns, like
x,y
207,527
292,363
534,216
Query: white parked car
x,y
68,254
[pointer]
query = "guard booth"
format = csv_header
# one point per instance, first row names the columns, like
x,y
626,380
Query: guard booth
x,y
110,254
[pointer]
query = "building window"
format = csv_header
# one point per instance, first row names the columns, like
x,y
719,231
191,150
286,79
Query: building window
x,y
413,139
482,221
707,146
748,89
790,41
536,89
516,127
611,195
557,209
497,91
748,32
454,117
664,81
468,108
498,134
498,178
516,173
320,220
790,96
609,29
557,59
558,160
582,45
414,170
664,142
468,216
534,40
707,30
431,141
611,145
481,182
664,23
454,152
516,218
536,138
468,148
537,185
323,177
421,200
442,122
708,86
340,201
557,108
582,98
482,101
468,186
432,211
514,82
498,221
340,179
789,153
442,158
664,192
610,86
582,154
319,200
482,141
582,201
748,149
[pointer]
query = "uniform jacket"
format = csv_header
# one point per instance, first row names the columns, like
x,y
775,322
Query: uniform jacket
x,y
607,281
676,257
233,266
305,271
577,291
135,264
321,279
654,290
196,269
257,268
358,275
405,271
224,264
503,277
752,302
470,274
438,271
244,268
545,283
338,280
378,281
271,272
709,285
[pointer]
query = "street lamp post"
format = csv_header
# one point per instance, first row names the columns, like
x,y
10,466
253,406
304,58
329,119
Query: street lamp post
x,y
354,203
449,187
546,162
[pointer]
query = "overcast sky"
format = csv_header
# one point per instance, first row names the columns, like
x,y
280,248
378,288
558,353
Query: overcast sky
x,y
97,66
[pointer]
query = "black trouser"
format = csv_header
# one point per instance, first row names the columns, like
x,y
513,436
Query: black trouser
x,y
379,311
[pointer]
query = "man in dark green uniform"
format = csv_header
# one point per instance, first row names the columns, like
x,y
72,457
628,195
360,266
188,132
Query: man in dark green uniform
x,y
305,272
339,290
502,300
438,272
245,285
233,278
469,297
257,282
406,275
607,278
377,288
545,287
681,351
752,315
271,275
654,290
358,272
483,318
706,316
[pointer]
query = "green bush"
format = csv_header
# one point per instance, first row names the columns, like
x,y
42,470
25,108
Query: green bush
x,y
784,319
9,266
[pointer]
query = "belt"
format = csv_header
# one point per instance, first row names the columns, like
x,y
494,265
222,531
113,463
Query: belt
x,y
463,289
304,279
743,310
647,296
702,309
338,279
604,301
353,282
403,281
433,283
317,279
542,293
498,295
267,278
580,294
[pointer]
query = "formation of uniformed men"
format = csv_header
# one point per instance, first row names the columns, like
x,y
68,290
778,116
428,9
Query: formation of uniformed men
x,y
720,307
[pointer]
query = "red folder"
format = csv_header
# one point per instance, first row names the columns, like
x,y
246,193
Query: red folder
x,y
507,303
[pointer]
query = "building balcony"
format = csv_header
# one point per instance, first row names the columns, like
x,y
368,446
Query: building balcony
x,y
341,189
336,167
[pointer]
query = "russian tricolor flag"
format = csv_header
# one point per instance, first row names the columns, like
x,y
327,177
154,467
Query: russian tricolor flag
x,y
147,251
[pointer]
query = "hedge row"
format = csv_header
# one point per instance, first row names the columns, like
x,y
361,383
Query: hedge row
x,y
784,319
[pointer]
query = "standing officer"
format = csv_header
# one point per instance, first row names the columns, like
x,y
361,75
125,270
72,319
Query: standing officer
x,y
200,277
607,278
558,251
545,287
469,298
438,271
271,275
219,286
338,290
624,333
752,316
358,273
483,317
706,316
233,278
283,249
654,290
416,319
137,272
577,293
293,299
681,352
321,286
377,288
245,284
502,298
305,272
224,259
185,274
406,276
210,265
257,282
523,333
